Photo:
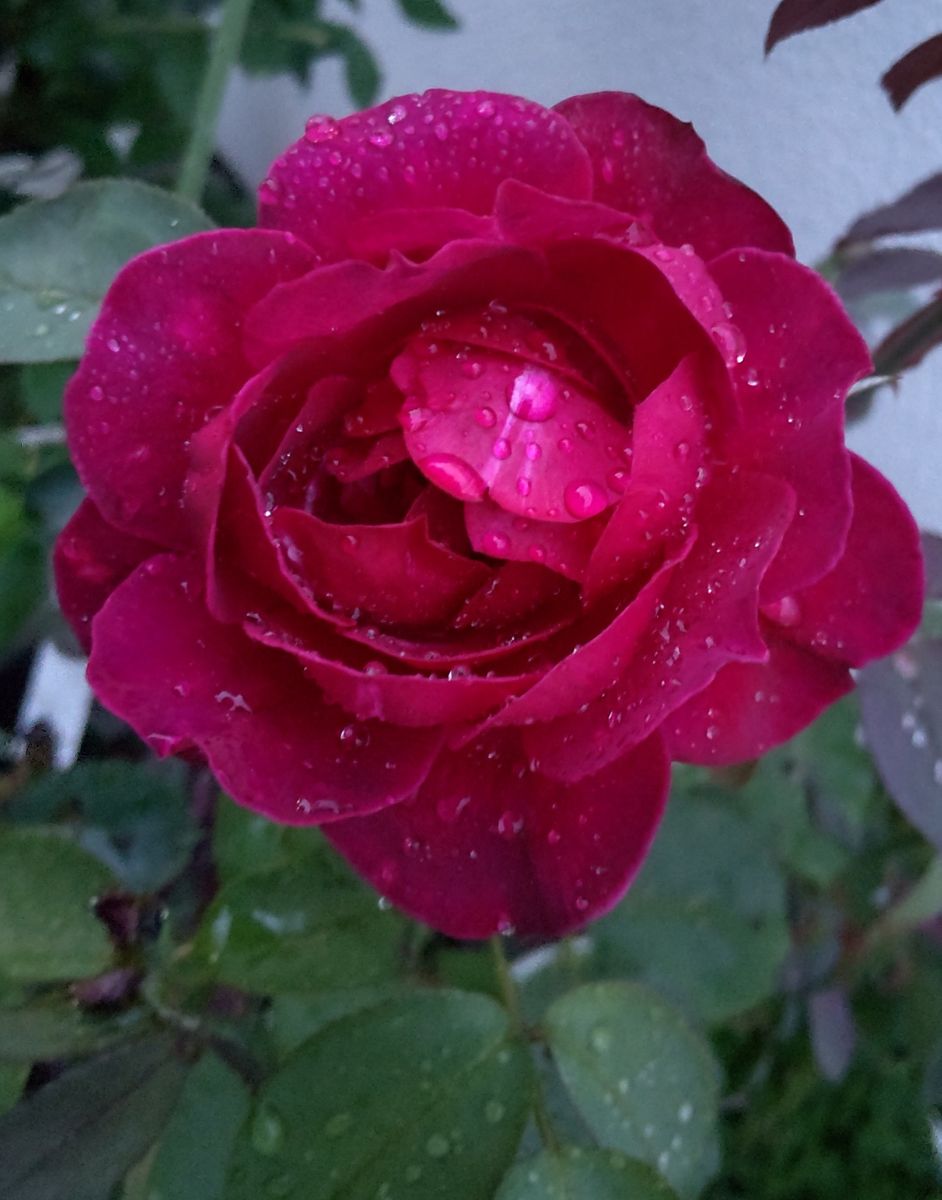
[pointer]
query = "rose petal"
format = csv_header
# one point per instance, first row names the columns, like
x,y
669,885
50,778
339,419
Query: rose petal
x,y
531,217
183,680
871,601
440,149
539,444
751,707
668,468
801,356
163,355
416,233
650,164
490,845
372,687
354,310
394,573
709,618
514,593
562,548
90,559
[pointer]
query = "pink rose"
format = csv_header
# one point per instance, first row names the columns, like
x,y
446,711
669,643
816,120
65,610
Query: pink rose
x,y
501,465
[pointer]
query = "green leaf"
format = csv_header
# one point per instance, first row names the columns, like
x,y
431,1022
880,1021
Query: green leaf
x,y
292,1020
49,1030
77,1136
704,922
645,1083
196,1146
245,843
12,1078
431,13
573,1173
43,385
57,258
361,70
304,926
47,928
22,583
134,817
424,1098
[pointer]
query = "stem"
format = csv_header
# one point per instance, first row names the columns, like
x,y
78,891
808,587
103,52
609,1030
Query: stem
x,y
223,53
511,998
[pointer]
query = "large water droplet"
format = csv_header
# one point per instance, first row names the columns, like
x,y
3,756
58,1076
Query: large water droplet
x,y
453,475
437,1146
584,498
338,1125
534,396
501,449
268,1131
320,129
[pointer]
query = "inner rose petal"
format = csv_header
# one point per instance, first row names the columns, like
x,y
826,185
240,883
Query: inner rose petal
x,y
481,423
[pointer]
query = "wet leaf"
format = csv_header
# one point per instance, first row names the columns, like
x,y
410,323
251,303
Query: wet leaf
x,y
921,65
22,583
574,1173
43,385
795,16
193,1157
12,1078
427,1098
291,1020
51,1029
57,258
644,1081
77,1136
47,928
305,926
901,707
704,922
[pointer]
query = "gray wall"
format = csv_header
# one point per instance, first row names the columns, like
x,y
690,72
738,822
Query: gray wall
x,y
808,128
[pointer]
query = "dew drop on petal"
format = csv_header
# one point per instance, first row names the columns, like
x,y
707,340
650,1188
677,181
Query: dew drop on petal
x,y
584,498
486,418
534,396
453,475
501,448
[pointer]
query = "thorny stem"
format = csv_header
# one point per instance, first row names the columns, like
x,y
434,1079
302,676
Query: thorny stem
x,y
224,51
511,998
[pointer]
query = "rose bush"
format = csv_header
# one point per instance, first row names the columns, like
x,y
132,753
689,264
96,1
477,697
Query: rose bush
x,y
502,464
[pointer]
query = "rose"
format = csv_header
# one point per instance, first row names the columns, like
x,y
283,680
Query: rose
x,y
503,463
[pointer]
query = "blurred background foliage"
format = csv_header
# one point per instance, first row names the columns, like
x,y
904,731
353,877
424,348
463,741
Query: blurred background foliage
x,y
196,1004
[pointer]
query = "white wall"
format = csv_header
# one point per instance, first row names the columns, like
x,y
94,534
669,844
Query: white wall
x,y
809,128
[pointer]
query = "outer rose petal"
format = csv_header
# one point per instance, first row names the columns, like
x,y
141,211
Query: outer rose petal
x,y
651,165
440,149
183,680
710,618
751,707
801,356
489,845
871,602
164,353
90,559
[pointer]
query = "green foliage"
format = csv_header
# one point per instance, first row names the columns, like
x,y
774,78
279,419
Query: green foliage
x,y
576,1174
57,258
644,1081
427,1098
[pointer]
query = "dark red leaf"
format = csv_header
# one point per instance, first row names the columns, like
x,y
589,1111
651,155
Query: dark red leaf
x,y
921,65
916,210
901,707
909,343
794,16
895,269
932,556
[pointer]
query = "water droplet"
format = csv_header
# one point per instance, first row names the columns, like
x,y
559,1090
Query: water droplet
x,y
608,170
320,129
486,418
347,733
786,611
618,481
486,108
509,824
565,444
534,396
554,837
682,451
537,553
730,340
501,449
268,1131
495,543
472,369
450,808
533,451
437,1146
494,1112
113,345
441,131
453,475
601,1039
96,393
524,486
338,1124
382,137
416,419
685,1112
396,114
584,498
